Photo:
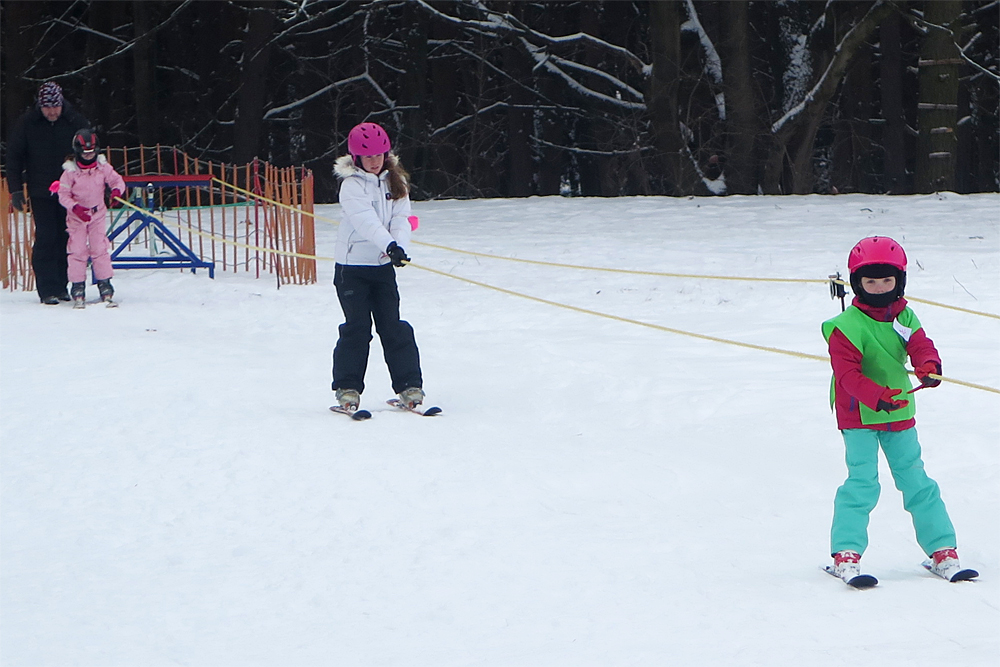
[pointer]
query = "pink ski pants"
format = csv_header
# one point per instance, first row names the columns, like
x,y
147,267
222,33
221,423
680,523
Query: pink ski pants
x,y
87,240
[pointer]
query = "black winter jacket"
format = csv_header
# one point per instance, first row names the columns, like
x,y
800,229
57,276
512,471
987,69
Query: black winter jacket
x,y
39,148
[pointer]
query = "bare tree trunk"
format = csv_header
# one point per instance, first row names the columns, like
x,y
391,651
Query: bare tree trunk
x,y
553,160
938,107
891,72
413,91
795,134
18,94
520,166
444,85
607,170
853,147
742,112
94,94
144,73
253,83
665,38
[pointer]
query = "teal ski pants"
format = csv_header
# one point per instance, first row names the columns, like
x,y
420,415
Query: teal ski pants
x,y
857,497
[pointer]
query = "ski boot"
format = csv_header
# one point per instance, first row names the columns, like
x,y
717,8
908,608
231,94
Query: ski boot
x,y
411,397
944,563
349,399
107,292
78,292
847,566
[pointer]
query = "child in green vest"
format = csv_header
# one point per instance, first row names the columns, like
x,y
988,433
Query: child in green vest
x,y
871,392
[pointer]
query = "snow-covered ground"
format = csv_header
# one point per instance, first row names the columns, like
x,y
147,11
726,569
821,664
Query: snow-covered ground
x,y
175,491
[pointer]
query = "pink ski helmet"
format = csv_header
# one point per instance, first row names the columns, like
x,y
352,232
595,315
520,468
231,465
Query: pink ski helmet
x,y
367,139
877,257
876,250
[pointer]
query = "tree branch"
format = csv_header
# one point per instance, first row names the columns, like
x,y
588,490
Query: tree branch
x,y
961,50
844,51
126,46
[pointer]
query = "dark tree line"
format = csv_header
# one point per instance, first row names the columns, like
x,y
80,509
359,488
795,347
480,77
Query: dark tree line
x,y
489,98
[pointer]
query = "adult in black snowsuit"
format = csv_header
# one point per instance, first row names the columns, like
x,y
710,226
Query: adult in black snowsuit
x,y
39,143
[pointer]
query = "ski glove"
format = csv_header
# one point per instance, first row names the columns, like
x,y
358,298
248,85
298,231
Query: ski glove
x,y
396,254
923,372
887,401
17,200
81,212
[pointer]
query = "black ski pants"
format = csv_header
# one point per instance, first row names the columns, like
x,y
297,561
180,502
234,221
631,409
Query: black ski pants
x,y
48,254
369,293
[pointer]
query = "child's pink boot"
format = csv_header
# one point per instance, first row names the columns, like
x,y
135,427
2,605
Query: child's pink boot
x,y
847,566
944,563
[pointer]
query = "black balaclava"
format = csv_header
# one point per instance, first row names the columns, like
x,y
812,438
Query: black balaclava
x,y
878,271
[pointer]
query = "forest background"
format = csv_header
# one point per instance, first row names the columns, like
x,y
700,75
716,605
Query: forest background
x,y
510,99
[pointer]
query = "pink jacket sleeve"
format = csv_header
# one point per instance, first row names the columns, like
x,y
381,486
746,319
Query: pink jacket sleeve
x,y
921,349
66,190
846,362
113,178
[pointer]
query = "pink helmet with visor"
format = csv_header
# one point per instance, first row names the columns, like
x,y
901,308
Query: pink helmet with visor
x,y
876,250
367,139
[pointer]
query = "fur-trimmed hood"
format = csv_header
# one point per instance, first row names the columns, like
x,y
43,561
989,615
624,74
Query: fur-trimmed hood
x,y
71,165
344,167
371,218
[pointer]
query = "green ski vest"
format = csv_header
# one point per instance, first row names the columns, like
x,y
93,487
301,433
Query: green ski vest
x,y
883,355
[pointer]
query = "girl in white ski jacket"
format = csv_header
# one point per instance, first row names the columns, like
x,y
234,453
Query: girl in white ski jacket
x,y
374,231
371,218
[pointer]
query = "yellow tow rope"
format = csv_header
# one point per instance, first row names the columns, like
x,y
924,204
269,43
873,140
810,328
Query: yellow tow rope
x,y
658,327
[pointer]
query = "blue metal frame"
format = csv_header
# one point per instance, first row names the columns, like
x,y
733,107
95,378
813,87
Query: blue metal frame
x,y
183,257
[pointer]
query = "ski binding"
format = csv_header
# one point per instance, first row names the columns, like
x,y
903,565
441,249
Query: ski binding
x,y
426,412
861,581
962,575
356,415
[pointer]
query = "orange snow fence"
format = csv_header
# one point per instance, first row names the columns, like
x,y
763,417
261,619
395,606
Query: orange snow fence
x,y
256,204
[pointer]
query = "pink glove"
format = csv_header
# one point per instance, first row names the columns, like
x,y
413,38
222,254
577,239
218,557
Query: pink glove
x,y
888,401
81,212
923,372
115,194
54,188
414,222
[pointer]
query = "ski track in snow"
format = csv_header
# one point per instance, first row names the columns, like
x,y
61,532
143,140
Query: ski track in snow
x,y
174,490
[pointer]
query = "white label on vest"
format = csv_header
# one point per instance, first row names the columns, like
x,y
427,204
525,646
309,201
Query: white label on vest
x,y
904,332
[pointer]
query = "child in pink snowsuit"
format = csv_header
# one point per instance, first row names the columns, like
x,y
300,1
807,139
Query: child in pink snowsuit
x,y
81,192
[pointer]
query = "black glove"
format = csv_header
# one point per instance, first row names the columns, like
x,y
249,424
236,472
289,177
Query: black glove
x,y
17,200
396,254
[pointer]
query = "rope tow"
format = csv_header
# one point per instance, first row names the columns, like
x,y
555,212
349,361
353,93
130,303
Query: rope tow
x,y
556,304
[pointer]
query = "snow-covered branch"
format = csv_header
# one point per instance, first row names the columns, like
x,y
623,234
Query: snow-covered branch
x,y
593,71
843,52
272,114
590,151
77,26
544,61
127,46
496,22
961,50
713,63
464,119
